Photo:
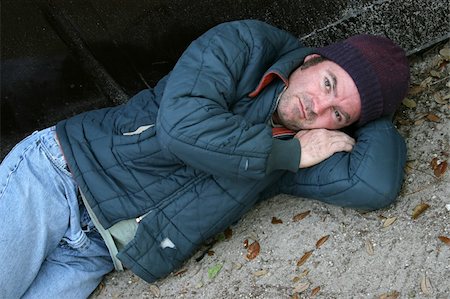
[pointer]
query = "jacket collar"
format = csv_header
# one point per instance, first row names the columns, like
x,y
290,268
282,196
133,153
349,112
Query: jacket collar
x,y
282,68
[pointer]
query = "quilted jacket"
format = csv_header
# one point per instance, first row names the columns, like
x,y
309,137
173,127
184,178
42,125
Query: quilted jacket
x,y
192,155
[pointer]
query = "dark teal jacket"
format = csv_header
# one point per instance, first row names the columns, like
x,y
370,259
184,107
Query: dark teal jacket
x,y
196,152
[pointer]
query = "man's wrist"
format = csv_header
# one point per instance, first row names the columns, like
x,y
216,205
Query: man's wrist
x,y
285,155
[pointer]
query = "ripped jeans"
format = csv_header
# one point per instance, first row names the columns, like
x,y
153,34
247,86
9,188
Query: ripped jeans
x,y
49,247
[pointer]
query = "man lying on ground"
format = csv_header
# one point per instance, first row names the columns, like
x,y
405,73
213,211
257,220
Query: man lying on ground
x,y
247,112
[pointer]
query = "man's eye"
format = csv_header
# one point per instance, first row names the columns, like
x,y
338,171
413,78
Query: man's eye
x,y
327,84
338,115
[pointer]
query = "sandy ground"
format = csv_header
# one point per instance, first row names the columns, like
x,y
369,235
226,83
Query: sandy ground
x,y
382,254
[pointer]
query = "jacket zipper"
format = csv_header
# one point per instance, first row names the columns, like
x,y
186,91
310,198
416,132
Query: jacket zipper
x,y
275,104
139,219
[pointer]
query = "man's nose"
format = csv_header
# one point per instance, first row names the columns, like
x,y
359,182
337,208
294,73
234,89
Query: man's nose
x,y
321,104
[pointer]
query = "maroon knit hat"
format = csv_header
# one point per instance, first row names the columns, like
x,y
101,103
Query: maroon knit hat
x,y
379,69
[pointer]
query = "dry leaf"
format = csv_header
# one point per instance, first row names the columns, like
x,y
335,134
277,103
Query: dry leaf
x,y
253,250
434,163
425,285
411,163
210,252
300,216
275,220
420,115
304,258
439,99
419,209
155,290
295,296
369,247
301,287
180,272
433,117
440,169
390,295
426,82
409,103
260,273
389,221
415,89
100,287
419,122
410,166
199,285
315,291
228,233
435,74
303,274
441,64
246,243
445,239
445,52
403,122
321,241
253,236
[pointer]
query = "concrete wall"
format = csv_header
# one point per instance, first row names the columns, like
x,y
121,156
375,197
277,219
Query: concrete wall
x,y
62,57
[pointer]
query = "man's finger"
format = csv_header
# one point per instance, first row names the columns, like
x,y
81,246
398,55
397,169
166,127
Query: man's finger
x,y
341,143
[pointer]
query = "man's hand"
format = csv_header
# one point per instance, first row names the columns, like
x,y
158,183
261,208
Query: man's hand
x,y
319,144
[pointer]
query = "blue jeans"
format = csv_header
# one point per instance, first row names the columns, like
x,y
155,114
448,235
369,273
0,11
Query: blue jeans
x,y
49,248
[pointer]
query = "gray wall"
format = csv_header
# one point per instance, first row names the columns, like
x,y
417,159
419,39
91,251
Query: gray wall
x,y
59,58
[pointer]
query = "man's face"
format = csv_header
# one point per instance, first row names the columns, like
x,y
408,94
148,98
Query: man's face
x,y
319,96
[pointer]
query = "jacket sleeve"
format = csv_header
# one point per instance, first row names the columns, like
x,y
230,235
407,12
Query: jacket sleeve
x,y
367,178
195,122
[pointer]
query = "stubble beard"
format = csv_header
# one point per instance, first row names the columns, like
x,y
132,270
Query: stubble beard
x,y
296,123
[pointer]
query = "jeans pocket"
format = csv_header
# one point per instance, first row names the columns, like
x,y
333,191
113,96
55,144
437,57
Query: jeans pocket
x,y
53,150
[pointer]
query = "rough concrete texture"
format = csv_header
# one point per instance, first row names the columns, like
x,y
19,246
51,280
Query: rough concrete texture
x,y
381,254
168,26
152,34
415,25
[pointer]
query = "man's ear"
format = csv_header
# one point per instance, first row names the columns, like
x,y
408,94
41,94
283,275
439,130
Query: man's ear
x,y
310,56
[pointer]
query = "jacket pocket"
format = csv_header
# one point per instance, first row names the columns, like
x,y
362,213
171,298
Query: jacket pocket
x,y
134,145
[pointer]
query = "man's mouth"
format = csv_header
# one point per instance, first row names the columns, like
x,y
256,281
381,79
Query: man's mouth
x,y
301,109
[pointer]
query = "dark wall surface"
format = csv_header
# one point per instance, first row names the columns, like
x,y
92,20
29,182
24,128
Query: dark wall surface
x,y
59,58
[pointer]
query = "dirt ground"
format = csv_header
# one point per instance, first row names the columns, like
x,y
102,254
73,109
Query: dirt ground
x,y
335,252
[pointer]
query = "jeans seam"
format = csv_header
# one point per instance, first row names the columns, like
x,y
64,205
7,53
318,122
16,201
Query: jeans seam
x,y
16,166
53,159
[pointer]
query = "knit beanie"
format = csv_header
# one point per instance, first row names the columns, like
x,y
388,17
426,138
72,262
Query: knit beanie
x,y
379,69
